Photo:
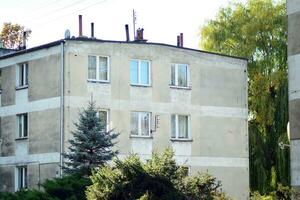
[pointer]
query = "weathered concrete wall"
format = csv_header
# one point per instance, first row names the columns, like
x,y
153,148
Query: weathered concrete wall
x,y
293,13
44,131
44,78
8,76
8,135
7,177
216,104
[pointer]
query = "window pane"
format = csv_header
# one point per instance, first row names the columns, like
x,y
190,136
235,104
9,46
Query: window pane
x,y
134,72
103,68
182,75
25,118
173,126
20,125
25,177
20,175
145,120
173,75
103,120
144,72
26,73
182,126
134,123
21,72
92,67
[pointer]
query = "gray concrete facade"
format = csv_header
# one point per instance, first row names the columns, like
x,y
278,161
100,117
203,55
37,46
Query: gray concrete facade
x,y
215,102
293,15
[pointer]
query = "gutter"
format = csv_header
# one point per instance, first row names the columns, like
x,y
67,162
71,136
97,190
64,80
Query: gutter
x,y
62,68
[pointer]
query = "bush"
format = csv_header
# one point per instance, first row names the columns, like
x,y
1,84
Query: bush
x,y
281,193
67,188
158,178
26,195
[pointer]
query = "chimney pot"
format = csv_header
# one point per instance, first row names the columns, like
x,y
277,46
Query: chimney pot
x,y
127,33
24,39
181,39
178,40
92,30
80,25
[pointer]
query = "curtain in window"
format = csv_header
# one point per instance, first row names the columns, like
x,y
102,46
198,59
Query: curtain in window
x,y
182,126
92,67
103,68
145,129
173,82
182,75
173,126
134,72
134,123
25,122
144,72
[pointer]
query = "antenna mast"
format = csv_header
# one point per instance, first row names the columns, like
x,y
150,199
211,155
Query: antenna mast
x,y
134,22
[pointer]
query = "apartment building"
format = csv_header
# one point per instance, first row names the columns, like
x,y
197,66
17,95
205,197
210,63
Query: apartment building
x,y
293,13
154,95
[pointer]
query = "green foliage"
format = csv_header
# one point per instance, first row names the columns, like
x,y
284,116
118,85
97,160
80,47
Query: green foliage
x,y
26,195
158,178
257,30
12,35
281,193
91,146
68,187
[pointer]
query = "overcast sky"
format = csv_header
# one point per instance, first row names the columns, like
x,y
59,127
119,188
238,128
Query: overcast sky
x,y
162,20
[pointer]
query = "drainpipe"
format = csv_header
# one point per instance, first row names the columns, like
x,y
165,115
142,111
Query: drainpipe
x,y
62,66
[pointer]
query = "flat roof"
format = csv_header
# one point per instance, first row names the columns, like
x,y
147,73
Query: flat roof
x,y
58,42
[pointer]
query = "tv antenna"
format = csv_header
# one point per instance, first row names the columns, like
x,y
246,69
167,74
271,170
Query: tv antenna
x,y
134,22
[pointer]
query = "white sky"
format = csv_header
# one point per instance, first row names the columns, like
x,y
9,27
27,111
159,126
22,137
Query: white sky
x,y
162,20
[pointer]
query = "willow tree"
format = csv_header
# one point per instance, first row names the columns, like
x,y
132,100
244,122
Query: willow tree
x,y
257,30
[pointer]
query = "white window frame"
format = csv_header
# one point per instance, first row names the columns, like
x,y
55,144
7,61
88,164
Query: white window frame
x,y
189,136
140,124
139,72
22,68
107,118
21,182
176,76
98,69
21,117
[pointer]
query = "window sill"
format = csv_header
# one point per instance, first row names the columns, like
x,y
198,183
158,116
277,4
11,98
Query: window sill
x,y
145,86
21,138
140,137
181,87
181,140
98,81
21,87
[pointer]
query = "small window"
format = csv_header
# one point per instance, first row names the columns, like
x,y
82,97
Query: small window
x,y
104,120
22,128
140,124
140,72
98,68
22,75
180,75
22,177
180,127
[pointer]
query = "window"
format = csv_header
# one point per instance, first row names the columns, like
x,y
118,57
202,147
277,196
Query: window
x,y
22,75
22,128
179,127
140,72
98,68
22,177
104,120
140,124
180,75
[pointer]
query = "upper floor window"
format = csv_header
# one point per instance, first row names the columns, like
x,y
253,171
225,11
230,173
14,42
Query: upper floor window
x,y
140,124
104,120
180,126
98,68
180,75
22,128
22,74
22,177
140,72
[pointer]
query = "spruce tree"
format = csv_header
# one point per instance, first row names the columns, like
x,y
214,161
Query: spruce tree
x,y
92,144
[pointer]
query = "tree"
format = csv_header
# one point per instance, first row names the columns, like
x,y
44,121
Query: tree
x,y
158,178
257,30
92,144
12,35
